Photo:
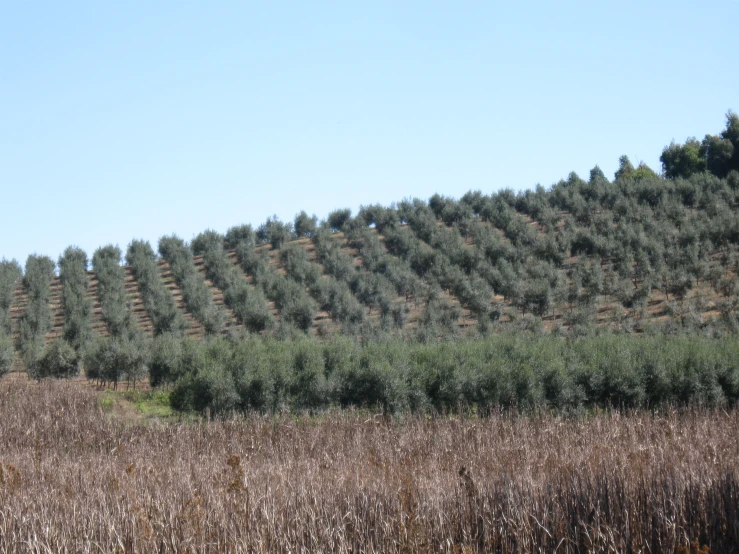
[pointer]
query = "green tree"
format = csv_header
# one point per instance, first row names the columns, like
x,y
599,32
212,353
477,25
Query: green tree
x,y
625,168
76,305
682,160
115,304
718,153
338,218
36,320
305,225
10,273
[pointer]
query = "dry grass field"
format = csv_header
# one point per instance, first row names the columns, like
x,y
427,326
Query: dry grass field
x,y
77,475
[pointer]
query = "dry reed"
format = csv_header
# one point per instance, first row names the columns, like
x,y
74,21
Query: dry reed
x,y
74,478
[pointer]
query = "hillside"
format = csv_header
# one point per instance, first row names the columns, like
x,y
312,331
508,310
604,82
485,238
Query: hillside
x,y
641,253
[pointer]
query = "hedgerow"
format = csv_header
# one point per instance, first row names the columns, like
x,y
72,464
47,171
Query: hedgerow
x,y
374,290
503,372
196,294
158,302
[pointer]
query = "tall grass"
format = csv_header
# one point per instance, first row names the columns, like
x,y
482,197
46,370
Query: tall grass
x,y
74,478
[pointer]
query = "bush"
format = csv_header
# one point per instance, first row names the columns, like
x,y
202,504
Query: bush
x,y
7,354
59,360
112,360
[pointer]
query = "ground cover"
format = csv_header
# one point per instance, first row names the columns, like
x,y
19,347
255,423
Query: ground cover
x,y
79,475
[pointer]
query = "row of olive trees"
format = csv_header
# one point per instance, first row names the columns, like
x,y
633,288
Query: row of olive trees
x,y
158,301
114,301
195,293
504,372
36,320
10,273
297,309
332,295
373,289
247,303
76,305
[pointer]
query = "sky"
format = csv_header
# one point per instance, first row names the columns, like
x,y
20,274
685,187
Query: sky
x,y
139,119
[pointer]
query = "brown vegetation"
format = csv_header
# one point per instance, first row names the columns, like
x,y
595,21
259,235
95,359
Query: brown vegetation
x,y
75,477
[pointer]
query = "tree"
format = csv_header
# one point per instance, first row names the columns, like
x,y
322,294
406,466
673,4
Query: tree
x,y
37,318
305,225
625,168
158,301
338,218
682,160
236,235
77,307
718,152
274,232
116,309
10,273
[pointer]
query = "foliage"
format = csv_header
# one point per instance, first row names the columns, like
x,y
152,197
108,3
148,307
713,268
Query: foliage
x,y
76,306
291,299
499,372
116,307
113,359
36,320
196,294
10,273
59,360
7,354
158,302
247,303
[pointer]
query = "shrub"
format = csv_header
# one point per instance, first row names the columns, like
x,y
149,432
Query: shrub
x,y
112,359
7,354
58,360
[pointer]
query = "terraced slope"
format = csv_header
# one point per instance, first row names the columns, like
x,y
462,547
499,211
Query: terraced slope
x,y
457,257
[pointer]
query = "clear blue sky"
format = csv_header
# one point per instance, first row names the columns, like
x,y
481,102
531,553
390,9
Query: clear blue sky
x,y
122,120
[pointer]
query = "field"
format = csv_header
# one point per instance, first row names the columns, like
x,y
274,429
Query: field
x,y
82,471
